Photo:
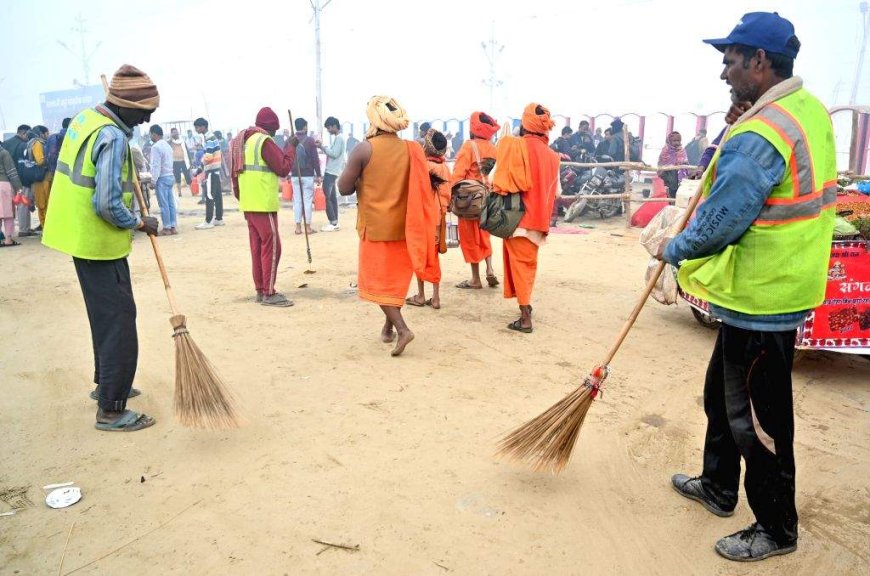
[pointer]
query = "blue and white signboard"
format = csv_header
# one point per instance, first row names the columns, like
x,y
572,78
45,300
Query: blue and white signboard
x,y
67,103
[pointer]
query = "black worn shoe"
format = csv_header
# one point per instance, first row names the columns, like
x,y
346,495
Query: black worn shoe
x,y
692,489
133,393
752,544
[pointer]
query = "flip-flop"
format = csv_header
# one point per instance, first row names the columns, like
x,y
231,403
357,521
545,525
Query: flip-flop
x,y
491,280
14,243
129,421
132,394
410,300
517,325
429,303
465,284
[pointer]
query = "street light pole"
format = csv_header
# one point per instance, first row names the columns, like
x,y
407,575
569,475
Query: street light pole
x,y
865,17
492,49
318,71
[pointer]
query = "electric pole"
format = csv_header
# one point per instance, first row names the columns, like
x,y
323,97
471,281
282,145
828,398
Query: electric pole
x,y
83,54
492,49
318,72
865,17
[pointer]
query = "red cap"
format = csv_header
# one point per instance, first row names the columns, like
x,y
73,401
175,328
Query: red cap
x,y
267,119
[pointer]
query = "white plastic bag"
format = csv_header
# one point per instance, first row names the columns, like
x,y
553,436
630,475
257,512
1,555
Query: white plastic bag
x,y
659,228
665,290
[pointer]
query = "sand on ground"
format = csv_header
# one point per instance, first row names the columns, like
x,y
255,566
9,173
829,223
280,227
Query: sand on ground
x,y
348,445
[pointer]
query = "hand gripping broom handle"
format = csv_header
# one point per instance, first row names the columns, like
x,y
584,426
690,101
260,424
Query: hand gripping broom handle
x,y
142,206
678,226
301,193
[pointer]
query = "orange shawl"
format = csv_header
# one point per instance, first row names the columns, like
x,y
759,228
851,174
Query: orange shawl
x,y
421,218
513,172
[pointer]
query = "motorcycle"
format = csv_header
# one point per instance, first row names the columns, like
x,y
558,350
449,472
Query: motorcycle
x,y
596,182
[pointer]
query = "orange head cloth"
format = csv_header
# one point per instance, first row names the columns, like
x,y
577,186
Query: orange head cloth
x,y
536,119
483,129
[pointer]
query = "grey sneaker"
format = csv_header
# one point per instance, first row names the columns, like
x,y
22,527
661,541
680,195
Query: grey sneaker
x,y
692,489
276,299
752,544
259,298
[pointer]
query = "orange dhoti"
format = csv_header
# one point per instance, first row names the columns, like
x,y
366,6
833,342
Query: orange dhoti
x,y
520,267
385,272
474,242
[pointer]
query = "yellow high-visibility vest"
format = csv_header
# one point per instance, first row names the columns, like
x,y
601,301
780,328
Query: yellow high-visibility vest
x,y
780,264
74,228
258,185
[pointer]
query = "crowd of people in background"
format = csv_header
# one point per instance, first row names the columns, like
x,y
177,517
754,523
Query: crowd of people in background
x,y
199,162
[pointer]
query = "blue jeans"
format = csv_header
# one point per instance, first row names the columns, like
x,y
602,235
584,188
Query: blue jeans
x,y
167,200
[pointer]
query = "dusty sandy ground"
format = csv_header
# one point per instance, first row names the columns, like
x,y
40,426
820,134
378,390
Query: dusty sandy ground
x,y
348,445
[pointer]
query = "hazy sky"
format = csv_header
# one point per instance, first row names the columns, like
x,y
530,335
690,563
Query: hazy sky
x,y
227,59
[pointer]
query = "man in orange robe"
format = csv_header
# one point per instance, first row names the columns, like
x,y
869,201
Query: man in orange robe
x,y
475,243
529,166
396,214
435,147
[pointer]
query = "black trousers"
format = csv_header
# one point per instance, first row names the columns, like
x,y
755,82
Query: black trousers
x,y
214,206
112,315
179,168
748,402
331,198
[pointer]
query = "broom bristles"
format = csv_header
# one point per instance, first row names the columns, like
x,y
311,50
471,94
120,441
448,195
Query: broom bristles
x,y
202,400
545,442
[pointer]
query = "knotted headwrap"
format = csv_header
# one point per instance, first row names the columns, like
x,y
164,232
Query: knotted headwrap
x,y
434,143
536,119
483,129
132,88
386,115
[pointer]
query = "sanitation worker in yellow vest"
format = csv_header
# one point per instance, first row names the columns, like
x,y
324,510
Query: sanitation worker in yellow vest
x,y
93,218
757,251
256,163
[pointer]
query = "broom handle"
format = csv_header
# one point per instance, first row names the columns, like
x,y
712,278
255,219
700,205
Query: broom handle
x,y
142,206
156,246
679,225
301,192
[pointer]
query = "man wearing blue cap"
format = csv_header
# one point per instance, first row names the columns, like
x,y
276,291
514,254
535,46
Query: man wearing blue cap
x,y
757,251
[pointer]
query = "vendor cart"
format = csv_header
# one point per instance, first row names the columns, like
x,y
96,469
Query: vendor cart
x,y
842,322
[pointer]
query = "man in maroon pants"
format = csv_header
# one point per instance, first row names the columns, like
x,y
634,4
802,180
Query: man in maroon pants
x,y
257,163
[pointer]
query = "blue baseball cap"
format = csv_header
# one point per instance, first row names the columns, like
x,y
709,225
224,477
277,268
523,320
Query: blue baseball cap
x,y
766,30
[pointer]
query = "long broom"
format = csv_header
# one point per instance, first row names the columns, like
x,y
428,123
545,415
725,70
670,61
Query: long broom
x,y
308,270
545,442
202,400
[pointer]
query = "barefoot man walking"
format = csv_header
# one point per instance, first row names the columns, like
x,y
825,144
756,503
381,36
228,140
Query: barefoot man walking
x,y
395,217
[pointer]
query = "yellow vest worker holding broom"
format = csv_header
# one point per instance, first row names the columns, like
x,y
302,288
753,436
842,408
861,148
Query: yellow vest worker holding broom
x,y
758,251
92,204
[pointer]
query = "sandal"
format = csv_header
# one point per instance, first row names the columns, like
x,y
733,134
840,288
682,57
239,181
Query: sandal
x,y
517,325
132,394
129,421
491,280
10,245
467,285
412,300
429,303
